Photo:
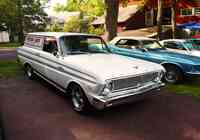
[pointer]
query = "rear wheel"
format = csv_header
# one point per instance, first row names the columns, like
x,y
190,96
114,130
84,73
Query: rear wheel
x,y
29,72
173,74
79,100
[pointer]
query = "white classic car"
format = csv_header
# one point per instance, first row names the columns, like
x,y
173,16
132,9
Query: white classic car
x,y
181,46
82,65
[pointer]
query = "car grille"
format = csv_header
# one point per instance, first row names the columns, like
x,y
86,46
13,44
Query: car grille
x,y
133,82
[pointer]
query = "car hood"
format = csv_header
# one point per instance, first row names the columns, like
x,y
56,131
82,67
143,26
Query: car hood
x,y
109,66
176,57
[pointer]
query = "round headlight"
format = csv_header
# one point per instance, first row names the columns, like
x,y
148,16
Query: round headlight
x,y
159,76
108,88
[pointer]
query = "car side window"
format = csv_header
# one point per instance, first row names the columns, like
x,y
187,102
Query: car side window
x,y
128,44
173,45
50,45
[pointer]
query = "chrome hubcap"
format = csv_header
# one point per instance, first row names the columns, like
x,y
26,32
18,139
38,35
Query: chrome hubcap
x,y
29,72
77,100
171,76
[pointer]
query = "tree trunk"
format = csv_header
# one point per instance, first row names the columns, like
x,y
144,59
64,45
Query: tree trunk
x,y
173,18
111,19
159,19
20,21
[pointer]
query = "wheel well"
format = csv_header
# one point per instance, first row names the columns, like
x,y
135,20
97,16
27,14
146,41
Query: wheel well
x,y
70,86
26,65
173,65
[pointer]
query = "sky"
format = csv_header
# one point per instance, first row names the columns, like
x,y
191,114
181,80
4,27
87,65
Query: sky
x,y
52,3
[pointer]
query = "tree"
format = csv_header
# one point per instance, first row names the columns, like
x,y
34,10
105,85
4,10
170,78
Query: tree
x,y
55,27
91,8
159,18
73,25
111,19
21,16
88,11
173,18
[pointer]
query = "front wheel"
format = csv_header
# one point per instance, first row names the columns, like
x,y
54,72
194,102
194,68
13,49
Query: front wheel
x,y
173,75
79,100
29,72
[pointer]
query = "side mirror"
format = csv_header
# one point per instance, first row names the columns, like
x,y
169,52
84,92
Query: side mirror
x,y
56,54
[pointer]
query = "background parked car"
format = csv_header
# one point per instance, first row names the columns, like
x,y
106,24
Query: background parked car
x,y
177,65
183,46
195,43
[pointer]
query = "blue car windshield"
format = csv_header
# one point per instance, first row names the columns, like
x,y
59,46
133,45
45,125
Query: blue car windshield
x,y
188,44
152,45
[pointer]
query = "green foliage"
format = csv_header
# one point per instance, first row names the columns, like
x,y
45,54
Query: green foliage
x,y
20,16
55,28
92,8
96,31
73,25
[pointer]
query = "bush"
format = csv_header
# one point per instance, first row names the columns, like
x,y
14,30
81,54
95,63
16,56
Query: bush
x,y
96,31
73,25
55,28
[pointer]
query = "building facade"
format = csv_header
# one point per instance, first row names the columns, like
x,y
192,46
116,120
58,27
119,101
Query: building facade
x,y
143,13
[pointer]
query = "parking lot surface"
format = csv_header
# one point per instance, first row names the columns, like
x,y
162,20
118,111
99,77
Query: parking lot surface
x,y
34,110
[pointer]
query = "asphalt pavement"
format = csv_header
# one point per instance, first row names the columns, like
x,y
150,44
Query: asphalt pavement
x,y
34,110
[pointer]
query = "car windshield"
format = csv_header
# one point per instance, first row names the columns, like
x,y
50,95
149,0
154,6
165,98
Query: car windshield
x,y
83,44
152,45
188,44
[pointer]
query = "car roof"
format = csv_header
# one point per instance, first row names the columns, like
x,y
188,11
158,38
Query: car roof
x,y
176,40
133,37
59,34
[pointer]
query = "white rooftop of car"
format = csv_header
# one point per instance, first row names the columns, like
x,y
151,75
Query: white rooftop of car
x,y
133,37
57,34
176,40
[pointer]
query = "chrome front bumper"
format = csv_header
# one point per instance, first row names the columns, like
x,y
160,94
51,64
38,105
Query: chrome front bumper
x,y
130,96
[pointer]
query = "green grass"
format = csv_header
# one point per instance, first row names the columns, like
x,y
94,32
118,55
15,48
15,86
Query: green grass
x,y
9,45
190,87
10,68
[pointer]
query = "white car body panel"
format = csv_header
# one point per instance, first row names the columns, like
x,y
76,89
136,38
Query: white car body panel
x,y
90,71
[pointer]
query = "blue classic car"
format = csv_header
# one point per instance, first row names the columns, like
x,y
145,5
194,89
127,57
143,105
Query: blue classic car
x,y
177,65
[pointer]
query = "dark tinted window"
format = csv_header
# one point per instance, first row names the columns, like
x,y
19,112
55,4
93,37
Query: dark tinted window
x,y
83,44
173,45
50,45
128,43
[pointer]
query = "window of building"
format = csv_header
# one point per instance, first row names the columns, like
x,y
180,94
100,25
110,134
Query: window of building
x,y
197,11
186,12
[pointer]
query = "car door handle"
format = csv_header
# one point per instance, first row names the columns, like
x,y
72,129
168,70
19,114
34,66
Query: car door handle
x,y
38,54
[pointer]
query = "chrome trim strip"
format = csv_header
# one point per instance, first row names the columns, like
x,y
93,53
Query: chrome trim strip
x,y
64,71
58,63
49,81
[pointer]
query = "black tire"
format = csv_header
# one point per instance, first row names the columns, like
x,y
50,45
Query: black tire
x,y
173,74
79,100
29,72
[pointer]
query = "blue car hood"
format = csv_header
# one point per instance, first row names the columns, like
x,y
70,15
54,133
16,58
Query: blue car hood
x,y
176,57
